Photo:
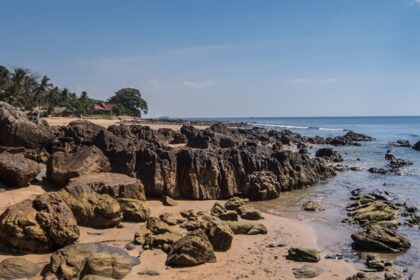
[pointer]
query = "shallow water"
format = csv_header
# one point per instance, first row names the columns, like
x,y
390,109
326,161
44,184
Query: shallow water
x,y
335,192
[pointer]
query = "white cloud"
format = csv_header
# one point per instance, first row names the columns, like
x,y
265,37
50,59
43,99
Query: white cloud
x,y
184,84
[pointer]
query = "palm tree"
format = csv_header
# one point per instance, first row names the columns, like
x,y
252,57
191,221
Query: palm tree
x,y
42,90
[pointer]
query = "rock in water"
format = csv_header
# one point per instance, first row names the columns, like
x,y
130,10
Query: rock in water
x,y
42,224
80,260
417,146
18,268
16,170
61,166
303,255
329,154
16,130
312,206
220,236
382,239
362,276
307,271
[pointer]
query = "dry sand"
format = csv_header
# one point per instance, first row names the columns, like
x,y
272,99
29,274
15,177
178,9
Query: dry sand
x,y
63,121
249,257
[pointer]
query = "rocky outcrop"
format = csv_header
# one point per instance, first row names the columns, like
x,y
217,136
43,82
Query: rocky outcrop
x,y
18,268
42,224
329,154
417,146
16,130
191,250
84,260
82,131
382,239
63,166
16,170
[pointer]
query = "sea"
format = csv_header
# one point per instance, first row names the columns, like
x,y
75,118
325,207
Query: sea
x,y
334,194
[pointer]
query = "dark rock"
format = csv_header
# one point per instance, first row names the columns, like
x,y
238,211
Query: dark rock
x,y
79,260
358,137
303,255
16,130
362,276
191,250
82,131
220,236
374,261
307,271
62,166
382,239
400,143
16,170
329,154
381,171
417,146
42,224
263,186
235,202
276,245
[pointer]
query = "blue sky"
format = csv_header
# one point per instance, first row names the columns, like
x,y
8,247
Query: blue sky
x,y
196,58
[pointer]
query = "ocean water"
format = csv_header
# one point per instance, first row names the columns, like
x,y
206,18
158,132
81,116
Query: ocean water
x,y
334,193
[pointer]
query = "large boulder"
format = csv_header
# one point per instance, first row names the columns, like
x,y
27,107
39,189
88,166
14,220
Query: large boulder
x,y
220,236
82,131
368,211
191,250
82,260
18,268
90,208
16,130
417,146
382,239
36,225
16,170
329,154
262,186
62,166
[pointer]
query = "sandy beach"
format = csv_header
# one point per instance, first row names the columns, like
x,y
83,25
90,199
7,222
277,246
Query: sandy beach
x,y
249,257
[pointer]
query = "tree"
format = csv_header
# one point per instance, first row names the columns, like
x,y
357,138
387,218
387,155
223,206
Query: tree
x,y
131,99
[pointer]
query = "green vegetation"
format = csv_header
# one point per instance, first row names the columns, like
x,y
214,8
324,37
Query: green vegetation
x,y
24,89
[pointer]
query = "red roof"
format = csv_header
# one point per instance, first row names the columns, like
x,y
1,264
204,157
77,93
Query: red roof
x,y
104,107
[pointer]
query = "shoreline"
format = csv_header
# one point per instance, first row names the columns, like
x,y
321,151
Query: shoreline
x,y
248,258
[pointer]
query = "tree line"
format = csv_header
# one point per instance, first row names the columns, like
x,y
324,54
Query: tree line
x,y
24,89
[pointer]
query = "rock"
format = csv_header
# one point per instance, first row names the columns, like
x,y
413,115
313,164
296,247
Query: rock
x,y
381,171
168,201
140,235
170,219
303,255
82,131
247,228
249,213
222,213
351,135
130,246
235,202
398,163
190,215
114,184
16,170
16,130
400,143
220,236
276,245
366,211
61,166
262,186
18,268
38,225
374,261
134,210
417,146
394,275
156,226
163,241
329,154
149,272
312,206
362,276
191,250
382,239
307,271
90,208
79,260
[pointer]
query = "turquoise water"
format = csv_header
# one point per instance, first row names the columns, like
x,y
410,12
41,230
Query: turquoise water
x,y
335,193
